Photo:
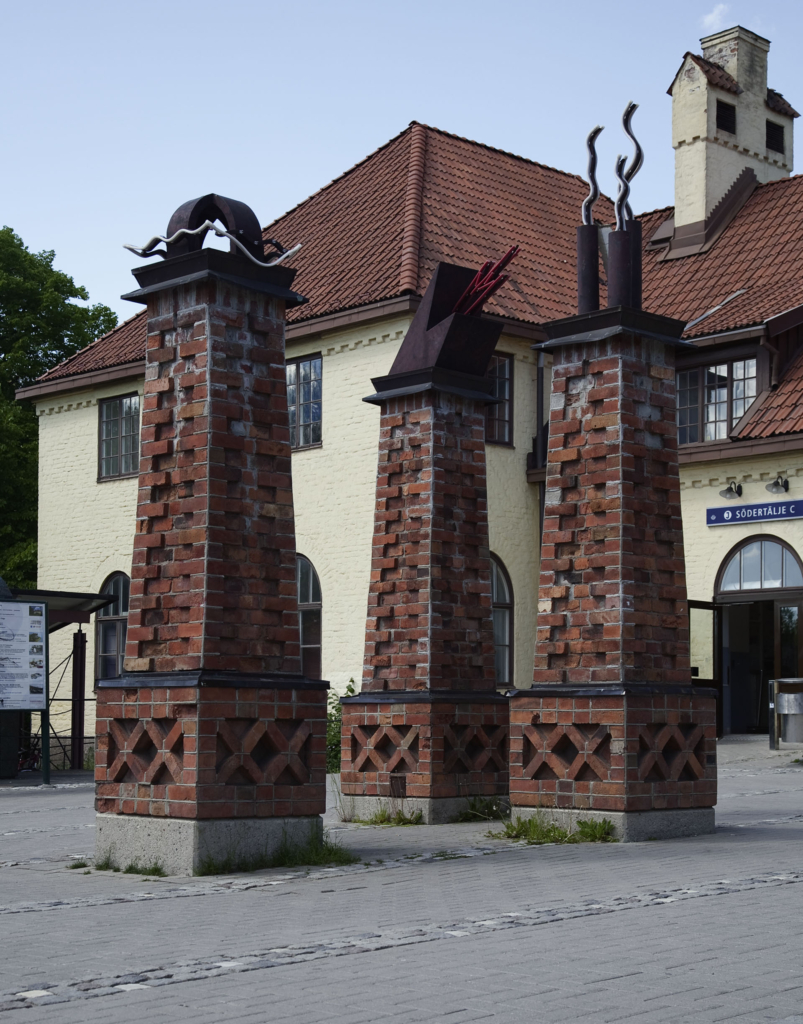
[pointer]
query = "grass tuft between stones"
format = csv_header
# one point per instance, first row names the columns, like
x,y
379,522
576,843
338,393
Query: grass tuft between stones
x,y
77,864
384,817
540,830
315,852
484,808
135,868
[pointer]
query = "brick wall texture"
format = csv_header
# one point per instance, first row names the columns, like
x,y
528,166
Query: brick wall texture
x,y
213,577
612,597
216,752
431,750
638,751
429,607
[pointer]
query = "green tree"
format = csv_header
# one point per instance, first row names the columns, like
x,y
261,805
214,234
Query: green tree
x,y
40,325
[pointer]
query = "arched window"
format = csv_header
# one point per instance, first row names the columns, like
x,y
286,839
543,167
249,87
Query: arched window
x,y
309,617
760,563
111,626
502,600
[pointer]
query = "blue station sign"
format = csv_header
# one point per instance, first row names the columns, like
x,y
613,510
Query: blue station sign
x,y
730,515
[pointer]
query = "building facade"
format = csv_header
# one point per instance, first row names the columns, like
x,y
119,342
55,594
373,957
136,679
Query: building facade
x,y
724,259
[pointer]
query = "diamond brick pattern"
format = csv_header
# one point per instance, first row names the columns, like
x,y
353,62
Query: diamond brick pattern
x,y
252,751
628,751
211,752
437,749
576,752
671,752
151,752
474,748
384,748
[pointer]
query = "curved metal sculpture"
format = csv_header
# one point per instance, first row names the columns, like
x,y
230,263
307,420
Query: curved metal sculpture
x,y
593,195
622,195
192,220
638,154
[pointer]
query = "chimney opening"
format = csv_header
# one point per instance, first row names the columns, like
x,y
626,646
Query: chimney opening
x,y
726,118
775,140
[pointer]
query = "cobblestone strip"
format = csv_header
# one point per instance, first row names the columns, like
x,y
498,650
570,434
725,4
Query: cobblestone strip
x,y
368,942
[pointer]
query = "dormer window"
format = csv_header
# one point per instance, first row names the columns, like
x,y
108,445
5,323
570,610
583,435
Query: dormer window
x,y
775,140
726,118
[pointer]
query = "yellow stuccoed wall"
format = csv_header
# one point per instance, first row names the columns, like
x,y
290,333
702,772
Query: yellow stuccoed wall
x,y
86,528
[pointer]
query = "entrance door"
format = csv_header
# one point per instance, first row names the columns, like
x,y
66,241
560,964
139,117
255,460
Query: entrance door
x,y
748,641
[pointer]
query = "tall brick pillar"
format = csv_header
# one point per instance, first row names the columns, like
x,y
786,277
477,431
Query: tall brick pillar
x,y
211,747
429,728
612,726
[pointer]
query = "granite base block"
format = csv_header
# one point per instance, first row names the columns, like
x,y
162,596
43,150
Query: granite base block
x,y
183,846
634,826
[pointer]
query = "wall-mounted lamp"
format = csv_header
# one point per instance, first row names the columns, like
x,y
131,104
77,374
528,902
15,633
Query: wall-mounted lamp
x,y
733,490
778,485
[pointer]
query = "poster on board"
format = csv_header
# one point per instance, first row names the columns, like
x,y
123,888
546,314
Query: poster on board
x,y
23,655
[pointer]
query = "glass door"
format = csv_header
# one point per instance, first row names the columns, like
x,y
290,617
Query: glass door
x,y
788,637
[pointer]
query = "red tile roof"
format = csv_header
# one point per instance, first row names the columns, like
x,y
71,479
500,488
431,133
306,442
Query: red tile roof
x,y
124,344
429,196
782,410
761,252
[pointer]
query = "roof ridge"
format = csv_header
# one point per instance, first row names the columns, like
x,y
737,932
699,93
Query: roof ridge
x,y
340,177
413,208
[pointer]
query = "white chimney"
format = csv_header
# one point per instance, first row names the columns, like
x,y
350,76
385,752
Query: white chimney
x,y
724,121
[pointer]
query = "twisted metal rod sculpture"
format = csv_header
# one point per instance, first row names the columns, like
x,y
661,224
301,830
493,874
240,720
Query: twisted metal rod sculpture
x,y
622,194
149,249
593,195
638,154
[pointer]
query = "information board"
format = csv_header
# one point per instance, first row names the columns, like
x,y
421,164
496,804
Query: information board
x,y
786,508
23,656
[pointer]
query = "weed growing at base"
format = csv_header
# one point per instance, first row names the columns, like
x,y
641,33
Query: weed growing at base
x,y
148,869
316,852
384,817
539,830
484,808
77,864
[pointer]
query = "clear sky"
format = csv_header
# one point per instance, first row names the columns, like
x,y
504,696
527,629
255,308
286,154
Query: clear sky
x,y
112,114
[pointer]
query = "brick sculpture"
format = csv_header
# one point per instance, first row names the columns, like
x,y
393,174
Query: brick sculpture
x,y
212,744
429,727
612,725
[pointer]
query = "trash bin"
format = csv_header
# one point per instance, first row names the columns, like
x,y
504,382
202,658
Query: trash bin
x,y
789,707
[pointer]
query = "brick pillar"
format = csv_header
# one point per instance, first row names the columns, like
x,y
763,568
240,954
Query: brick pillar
x,y
213,743
428,727
613,726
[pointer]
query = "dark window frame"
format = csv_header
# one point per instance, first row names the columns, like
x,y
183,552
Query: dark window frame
x,y
773,128
509,606
492,420
116,618
758,593
726,116
707,357
102,403
311,665
297,361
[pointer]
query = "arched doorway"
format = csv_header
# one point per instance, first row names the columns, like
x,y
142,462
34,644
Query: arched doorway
x,y
502,601
309,616
759,591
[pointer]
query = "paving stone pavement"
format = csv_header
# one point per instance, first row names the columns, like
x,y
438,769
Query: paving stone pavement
x,y
436,923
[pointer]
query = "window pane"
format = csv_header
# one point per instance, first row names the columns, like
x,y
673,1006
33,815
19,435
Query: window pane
x,y
311,662
751,566
304,586
291,373
311,627
792,577
304,402
499,592
772,563
744,387
716,401
688,398
731,577
498,417
316,586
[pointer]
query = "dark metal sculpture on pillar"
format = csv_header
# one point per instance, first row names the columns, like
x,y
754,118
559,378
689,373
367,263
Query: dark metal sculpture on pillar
x,y
211,747
612,726
429,727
